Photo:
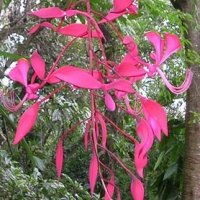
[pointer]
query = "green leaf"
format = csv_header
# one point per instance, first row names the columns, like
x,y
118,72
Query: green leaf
x,y
39,163
6,3
170,171
160,157
11,55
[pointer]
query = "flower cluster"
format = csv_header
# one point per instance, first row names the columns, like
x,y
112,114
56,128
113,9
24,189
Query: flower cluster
x,y
102,82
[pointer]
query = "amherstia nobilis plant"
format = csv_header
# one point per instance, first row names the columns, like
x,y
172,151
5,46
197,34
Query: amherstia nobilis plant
x,y
101,80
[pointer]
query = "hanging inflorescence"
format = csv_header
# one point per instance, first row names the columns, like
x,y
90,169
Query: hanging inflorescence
x,y
101,80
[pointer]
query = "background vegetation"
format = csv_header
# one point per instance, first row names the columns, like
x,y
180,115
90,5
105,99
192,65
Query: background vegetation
x,y
27,171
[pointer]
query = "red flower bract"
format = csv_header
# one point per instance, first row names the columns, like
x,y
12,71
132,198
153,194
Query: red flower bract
x,y
26,122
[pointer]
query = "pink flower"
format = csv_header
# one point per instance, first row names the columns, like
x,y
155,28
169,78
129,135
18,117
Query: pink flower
x,y
20,73
145,133
137,189
120,8
155,116
164,48
26,122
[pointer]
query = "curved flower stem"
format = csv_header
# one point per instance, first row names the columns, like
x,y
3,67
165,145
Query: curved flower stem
x,y
52,93
10,105
179,89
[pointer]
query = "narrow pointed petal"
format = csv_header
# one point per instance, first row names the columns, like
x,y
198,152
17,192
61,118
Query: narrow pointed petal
x,y
145,133
20,71
110,188
37,26
93,172
111,16
120,6
76,30
155,127
26,122
129,70
131,45
140,160
137,189
103,128
59,158
110,104
133,9
177,89
157,42
77,77
172,45
33,29
38,64
51,12
121,85
154,112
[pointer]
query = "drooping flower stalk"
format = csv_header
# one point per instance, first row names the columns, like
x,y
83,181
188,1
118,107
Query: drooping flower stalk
x,y
107,81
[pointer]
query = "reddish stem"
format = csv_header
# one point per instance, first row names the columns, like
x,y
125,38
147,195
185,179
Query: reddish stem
x,y
57,61
119,161
128,136
73,128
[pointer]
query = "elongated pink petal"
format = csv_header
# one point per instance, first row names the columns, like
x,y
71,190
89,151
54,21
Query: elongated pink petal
x,y
111,16
76,30
37,26
33,29
133,9
172,45
53,79
145,133
59,158
158,44
77,77
70,13
120,6
93,172
110,104
26,122
38,64
20,71
130,70
177,89
131,45
121,85
47,25
110,188
51,12
140,160
154,112
131,59
137,189
103,128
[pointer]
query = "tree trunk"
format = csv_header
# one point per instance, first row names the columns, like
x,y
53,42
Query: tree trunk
x,y
191,184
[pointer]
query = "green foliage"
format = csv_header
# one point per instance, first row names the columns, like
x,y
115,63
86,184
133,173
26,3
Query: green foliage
x,y
16,185
36,158
164,175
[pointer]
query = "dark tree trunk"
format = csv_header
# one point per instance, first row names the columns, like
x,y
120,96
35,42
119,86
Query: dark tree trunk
x,y
191,184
